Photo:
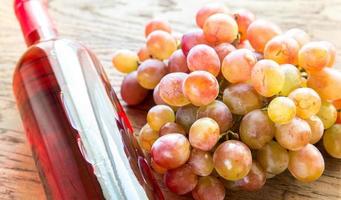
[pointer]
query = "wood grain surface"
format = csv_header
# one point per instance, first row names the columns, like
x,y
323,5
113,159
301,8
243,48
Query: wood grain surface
x,y
108,25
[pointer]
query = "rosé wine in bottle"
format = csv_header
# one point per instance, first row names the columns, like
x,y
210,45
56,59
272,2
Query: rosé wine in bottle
x,y
80,137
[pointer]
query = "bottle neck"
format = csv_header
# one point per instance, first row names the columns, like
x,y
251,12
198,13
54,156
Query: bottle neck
x,y
36,24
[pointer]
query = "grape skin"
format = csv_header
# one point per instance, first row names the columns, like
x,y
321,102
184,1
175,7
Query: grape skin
x,y
223,50
147,137
131,91
201,162
299,35
282,49
232,160
313,56
171,151
191,39
281,110
327,114
177,62
161,44
186,116
332,141
144,54
307,164
159,115
206,11
181,180
307,102
209,188
125,61
292,79
243,18
293,135
256,129
316,127
150,72
204,134
171,127
157,24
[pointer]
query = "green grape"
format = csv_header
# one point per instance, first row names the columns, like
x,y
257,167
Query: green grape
x,y
171,127
307,102
209,188
273,158
186,116
241,98
232,160
332,141
267,78
219,112
201,162
327,114
306,164
204,134
171,151
292,79
281,110
150,72
159,115
256,129
125,61
147,137
181,180
316,126
293,135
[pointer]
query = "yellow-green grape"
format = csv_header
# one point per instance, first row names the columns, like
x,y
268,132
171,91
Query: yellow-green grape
x,y
307,164
204,134
281,110
307,102
273,158
267,78
125,61
316,127
293,135
147,137
159,115
327,114
292,79
332,141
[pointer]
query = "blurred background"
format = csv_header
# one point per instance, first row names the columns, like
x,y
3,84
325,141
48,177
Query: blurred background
x,y
108,25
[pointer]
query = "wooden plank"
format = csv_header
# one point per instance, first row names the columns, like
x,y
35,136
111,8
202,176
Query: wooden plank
x,y
107,25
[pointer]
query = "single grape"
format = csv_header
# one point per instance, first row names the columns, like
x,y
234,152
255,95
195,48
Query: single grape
x,y
159,115
161,44
156,96
326,82
247,45
327,114
125,61
241,98
150,72
267,78
260,32
316,127
157,168
332,141
293,135
186,116
232,160
243,18
147,137
292,79
253,181
256,129
219,112
144,54
299,35
157,24
282,49
171,90
307,102
204,134
131,91
177,62
209,188
192,39
181,180
208,10
273,158
307,164
281,110
313,56
171,127
171,151
201,162
223,50
237,65
201,88
331,51
203,57
220,28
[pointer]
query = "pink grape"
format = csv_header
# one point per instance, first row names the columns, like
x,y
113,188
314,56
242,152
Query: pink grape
x,y
181,180
191,39
157,24
177,62
209,188
243,18
204,134
201,162
206,11
131,91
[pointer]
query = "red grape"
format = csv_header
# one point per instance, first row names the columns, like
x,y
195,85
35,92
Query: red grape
x,y
192,39
181,180
201,162
209,188
203,57
131,91
208,10
177,62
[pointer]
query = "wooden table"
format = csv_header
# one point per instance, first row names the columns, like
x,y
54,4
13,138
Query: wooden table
x,y
107,25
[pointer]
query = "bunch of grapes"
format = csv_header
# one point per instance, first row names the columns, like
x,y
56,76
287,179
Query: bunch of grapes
x,y
238,101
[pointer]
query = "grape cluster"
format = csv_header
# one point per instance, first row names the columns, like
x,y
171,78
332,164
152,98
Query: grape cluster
x,y
237,101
